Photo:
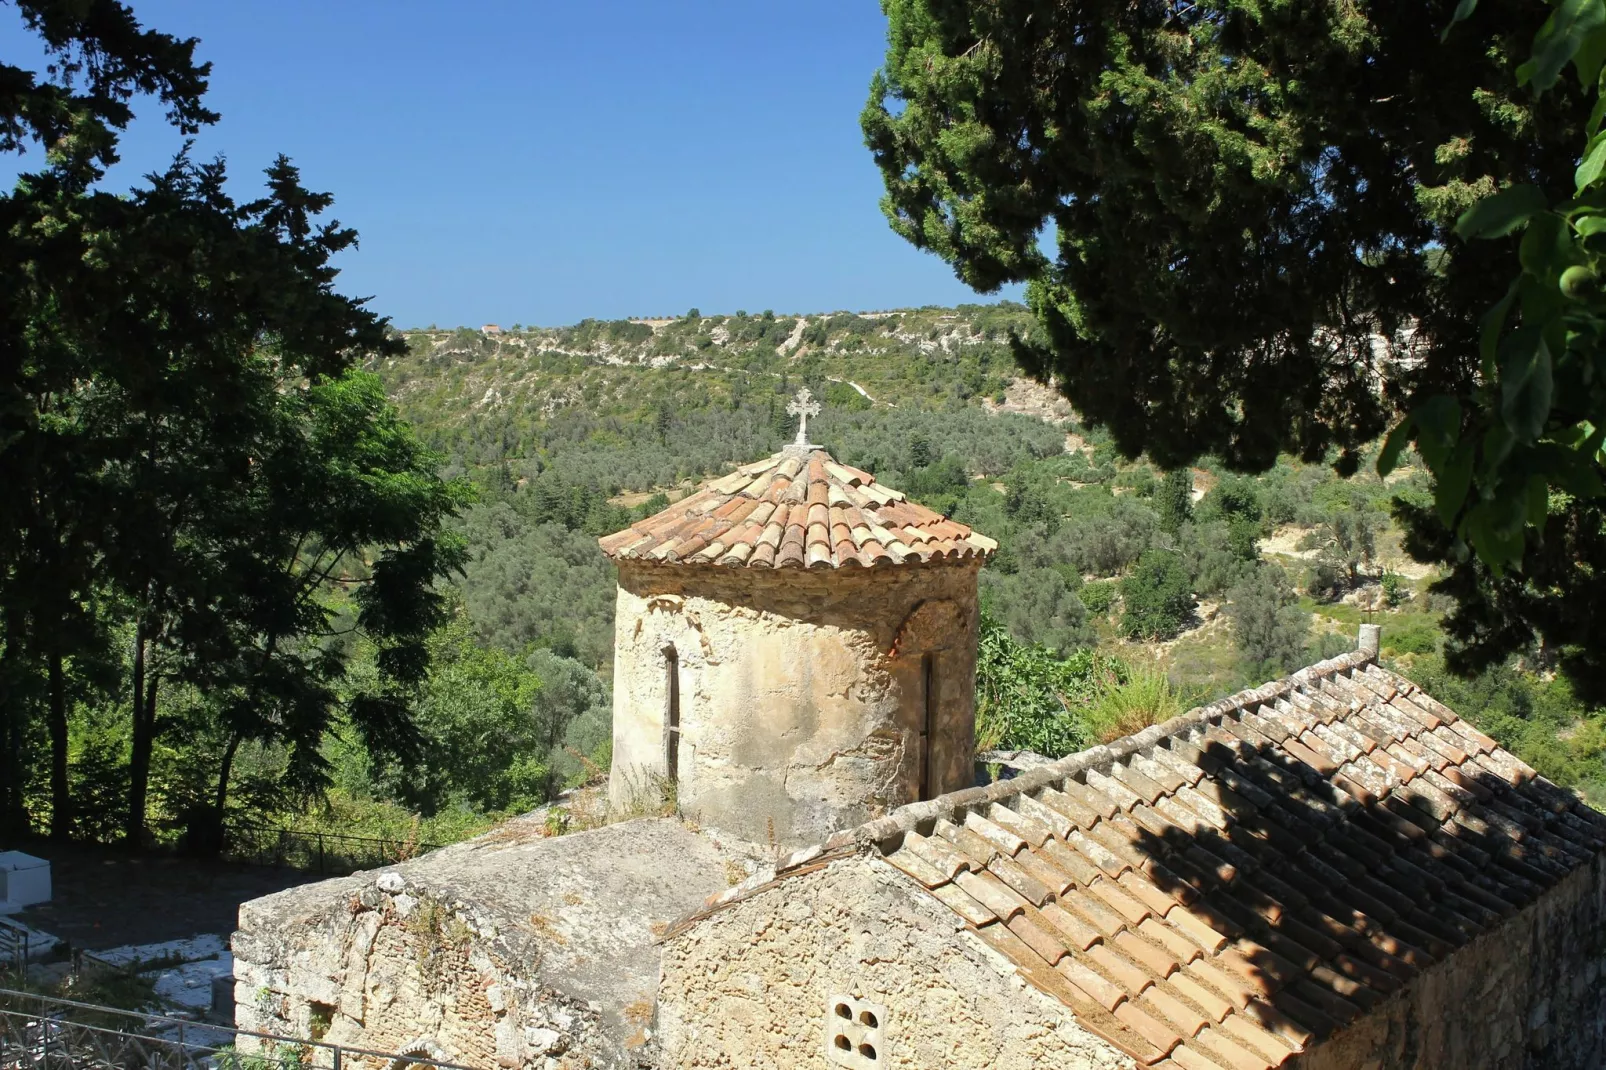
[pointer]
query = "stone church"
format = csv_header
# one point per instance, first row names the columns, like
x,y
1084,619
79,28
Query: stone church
x,y
1330,871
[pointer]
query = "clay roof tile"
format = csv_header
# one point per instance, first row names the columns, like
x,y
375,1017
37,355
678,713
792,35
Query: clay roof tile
x,y
862,523
1263,872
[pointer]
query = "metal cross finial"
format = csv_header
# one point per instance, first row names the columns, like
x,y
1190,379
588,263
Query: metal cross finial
x,y
803,406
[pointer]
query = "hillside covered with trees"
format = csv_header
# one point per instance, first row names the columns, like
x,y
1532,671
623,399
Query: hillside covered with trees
x,y
266,558
1115,583
1120,593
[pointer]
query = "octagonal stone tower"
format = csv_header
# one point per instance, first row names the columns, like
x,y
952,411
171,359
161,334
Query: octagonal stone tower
x,y
795,650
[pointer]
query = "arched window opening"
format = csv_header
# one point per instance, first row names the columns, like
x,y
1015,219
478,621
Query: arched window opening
x,y
421,1049
672,713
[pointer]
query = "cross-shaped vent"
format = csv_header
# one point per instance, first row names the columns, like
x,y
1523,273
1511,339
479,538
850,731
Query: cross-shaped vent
x,y
855,1033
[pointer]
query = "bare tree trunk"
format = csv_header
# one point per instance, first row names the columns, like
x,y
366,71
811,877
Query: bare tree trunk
x,y
221,799
61,816
142,742
13,813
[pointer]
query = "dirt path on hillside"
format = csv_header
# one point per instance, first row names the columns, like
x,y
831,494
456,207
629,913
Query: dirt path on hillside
x,y
863,393
791,341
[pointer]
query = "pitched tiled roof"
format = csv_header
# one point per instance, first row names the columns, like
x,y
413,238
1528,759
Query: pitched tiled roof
x,y
1227,889
797,509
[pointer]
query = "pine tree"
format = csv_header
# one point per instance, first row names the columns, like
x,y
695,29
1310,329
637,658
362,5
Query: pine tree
x,y
1242,199
1173,499
186,450
1261,216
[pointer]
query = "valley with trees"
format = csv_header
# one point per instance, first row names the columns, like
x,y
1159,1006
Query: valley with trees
x,y
1116,585
1120,595
268,559
1186,346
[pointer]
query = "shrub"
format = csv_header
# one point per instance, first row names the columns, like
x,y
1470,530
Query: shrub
x,y
1215,564
843,396
1347,540
1144,698
1415,636
1157,597
1028,698
1106,542
1395,589
1232,496
1140,481
1037,605
1098,597
1243,538
1323,581
1330,645
1269,625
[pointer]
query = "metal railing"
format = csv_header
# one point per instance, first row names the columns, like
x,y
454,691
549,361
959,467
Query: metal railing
x,y
323,853
43,1033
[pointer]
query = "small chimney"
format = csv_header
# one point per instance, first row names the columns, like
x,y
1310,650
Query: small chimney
x,y
1371,640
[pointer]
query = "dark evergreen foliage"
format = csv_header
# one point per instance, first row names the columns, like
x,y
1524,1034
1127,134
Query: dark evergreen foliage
x,y
1265,219
1173,499
191,462
1242,196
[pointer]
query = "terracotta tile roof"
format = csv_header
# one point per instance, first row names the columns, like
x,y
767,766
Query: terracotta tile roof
x,y
1228,889
797,509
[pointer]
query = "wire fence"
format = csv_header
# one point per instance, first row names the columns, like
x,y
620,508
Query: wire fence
x,y
44,1033
324,853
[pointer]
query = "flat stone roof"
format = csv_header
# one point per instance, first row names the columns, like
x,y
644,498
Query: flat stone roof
x,y
582,912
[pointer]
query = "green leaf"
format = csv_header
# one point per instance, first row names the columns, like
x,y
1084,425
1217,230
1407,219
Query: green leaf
x,y
1590,224
1594,161
1388,458
1526,383
1559,41
1454,479
1493,321
1498,442
1501,213
1463,11
1547,247
1574,471
1574,437
1496,539
1594,439
1591,51
1438,423
1597,113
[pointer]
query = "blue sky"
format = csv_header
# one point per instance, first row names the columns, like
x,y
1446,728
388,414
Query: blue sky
x,y
542,162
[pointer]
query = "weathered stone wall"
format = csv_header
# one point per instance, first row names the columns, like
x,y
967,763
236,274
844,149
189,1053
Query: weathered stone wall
x,y
1530,995
397,970
511,950
802,694
753,985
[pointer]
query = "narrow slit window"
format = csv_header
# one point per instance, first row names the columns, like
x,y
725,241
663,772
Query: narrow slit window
x,y
672,714
928,727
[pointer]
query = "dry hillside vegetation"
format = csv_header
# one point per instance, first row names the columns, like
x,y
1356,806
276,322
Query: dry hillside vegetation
x,y
1218,580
